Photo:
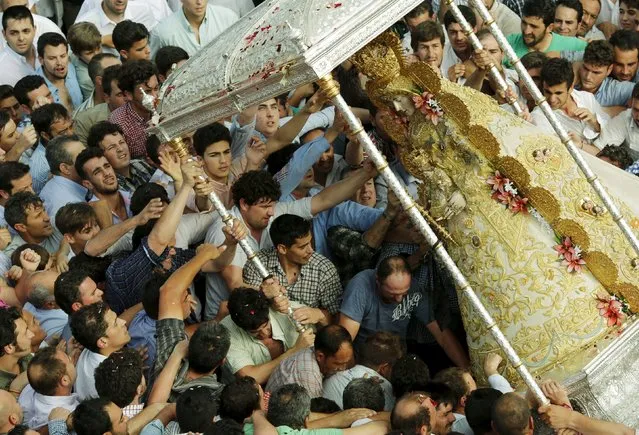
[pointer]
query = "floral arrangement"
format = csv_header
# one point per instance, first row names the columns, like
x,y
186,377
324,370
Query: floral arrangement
x,y
569,254
613,308
427,104
506,193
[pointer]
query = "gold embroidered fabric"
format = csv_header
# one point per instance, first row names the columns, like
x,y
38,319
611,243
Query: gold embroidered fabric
x,y
546,312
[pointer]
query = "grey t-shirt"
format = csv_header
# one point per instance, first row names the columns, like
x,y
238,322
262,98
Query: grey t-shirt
x,y
362,303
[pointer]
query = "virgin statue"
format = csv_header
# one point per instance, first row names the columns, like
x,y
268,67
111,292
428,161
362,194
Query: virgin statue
x,y
523,224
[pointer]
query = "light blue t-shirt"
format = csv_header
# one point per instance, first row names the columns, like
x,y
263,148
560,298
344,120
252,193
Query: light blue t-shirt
x,y
362,303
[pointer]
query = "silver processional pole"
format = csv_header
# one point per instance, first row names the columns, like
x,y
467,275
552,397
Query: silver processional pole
x,y
331,90
540,101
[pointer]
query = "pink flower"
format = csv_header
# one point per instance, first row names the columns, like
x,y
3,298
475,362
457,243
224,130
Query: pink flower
x,y
611,309
504,198
426,104
497,182
565,247
572,262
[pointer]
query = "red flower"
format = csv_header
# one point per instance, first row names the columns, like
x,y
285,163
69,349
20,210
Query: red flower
x,y
611,309
502,197
518,204
497,182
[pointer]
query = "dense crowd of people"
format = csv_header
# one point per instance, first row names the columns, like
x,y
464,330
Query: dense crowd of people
x,y
127,305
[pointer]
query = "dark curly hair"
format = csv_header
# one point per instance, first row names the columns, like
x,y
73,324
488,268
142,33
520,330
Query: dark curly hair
x,y
248,308
117,378
255,186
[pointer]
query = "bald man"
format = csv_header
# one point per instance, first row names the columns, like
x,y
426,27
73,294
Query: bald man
x,y
413,413
10,412
511,416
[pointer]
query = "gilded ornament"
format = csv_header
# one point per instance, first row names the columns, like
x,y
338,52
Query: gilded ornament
x,y
511,168
476,241
484,141
455,109
425,77
602,267
545,203
572,229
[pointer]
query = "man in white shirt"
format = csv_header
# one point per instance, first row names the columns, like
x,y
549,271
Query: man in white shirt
x,y
101,332
159,8
579,112
51,377
111,12
42,24
457,49
19,58
623,129
192,27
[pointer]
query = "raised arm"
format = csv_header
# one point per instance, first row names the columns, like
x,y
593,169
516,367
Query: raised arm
x,y
102,241
164,230
172,292
342,190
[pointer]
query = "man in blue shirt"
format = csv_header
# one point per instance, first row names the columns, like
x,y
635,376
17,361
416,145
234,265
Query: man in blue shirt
x,y
386,299
59,74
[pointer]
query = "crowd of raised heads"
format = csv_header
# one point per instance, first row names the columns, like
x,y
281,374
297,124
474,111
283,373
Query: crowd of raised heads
x,y
127,306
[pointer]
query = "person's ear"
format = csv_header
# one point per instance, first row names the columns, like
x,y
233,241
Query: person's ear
x,y
4,194
51,305
87,184
102,342
21,228
124,55
9,349
75,306
13,418
65,381
128,96
243,205
463,400
609,70
281,249
68,237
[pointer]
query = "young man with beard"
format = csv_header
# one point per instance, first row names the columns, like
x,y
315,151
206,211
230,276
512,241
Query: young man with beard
x,y
308,277
58,72
109,137
536,35
15,346
625,45
578,111
98,176
19,57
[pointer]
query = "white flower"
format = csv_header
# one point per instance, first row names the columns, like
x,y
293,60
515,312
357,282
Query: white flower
x,y
577,250
508,187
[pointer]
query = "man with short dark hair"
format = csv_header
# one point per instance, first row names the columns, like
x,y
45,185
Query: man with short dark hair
x,y
568,16
101,332
536,35
625,44
113,98
594,75
32,92
421,14
14,178
458,49
628,14
73,290
50,120
308,277
428,42
119,378
478,408
511,416
261,338
9,103
131,40
26,214
15,345
168,59
461,383
64,186
18,59
57,71
332,353
51,374
578,111
364,393
136,78
375,359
